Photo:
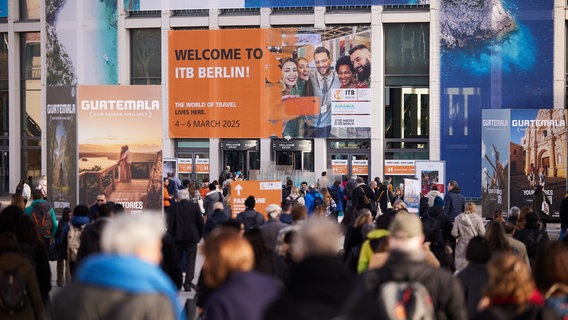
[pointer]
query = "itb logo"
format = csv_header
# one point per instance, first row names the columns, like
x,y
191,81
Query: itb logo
x,y
344,94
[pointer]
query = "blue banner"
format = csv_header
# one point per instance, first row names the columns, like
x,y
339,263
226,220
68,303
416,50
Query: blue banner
x,y
489,61
3,8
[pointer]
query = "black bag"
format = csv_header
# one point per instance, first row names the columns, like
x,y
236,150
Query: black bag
x,y
13,294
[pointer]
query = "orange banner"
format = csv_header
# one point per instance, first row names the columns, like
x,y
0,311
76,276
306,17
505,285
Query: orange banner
x,y
339,166
400,167
185,165
265,193
202,165
360,167
221,84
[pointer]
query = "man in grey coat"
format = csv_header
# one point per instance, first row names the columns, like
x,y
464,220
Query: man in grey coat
x,y
273,226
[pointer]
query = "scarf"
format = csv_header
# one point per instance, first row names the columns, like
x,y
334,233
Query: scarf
x,y
129,274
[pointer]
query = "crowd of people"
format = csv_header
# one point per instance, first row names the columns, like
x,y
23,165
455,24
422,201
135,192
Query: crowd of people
x,y
330,250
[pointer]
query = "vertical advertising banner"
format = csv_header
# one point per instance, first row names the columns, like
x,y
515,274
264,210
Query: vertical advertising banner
x,y
3,8
82,42
292,83
120,145
495,161
61,137
494,55
412,194
538,156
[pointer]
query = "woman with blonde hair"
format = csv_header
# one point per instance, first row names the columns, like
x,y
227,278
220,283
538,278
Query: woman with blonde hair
x,y
511,292
466,226
228,269
295,197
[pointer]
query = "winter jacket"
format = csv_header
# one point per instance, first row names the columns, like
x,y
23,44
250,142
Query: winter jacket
x,y
210,199
445,290
51,213
474,278
454,203
432,195
187,222
463,231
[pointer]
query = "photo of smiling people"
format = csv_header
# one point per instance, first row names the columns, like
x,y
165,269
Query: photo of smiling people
x,y
325,83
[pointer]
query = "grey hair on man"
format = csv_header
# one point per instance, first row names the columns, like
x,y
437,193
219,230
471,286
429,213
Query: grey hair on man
x,y
183,194
130,235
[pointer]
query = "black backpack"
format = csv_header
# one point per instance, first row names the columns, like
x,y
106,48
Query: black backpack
x,y
249,222
42,218
318,201
13,294
334,193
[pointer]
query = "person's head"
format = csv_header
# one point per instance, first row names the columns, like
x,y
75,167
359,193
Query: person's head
x,y
361,59
538,189
303,68
289,73
311,187
212,187
166,181
183,194
285,205
304,185
452,184
477,250
359,180
299,213
364,217
205,182
532,221
18,200
273,211
289,183
509,227
66,214
226,253
550,266
399,205
36,195
322,59
324,193
345,71
399,191
250,202
470,207
80,210
374,184
9,217
406,233
434,187
319,237
498,215
495,236
514,214
101,198
105,211
509,278
438,202
295,190
140,236
117,209
218,206
336,183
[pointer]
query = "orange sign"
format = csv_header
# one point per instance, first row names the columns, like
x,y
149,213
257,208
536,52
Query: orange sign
x,y
360,167
202,165
400,167
184,166
264,192
220,83
339,166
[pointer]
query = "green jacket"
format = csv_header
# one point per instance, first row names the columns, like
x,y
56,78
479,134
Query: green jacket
x,y
29,209
367,251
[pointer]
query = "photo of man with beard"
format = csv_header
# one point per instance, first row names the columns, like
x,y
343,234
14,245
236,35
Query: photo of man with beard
x,y
361,59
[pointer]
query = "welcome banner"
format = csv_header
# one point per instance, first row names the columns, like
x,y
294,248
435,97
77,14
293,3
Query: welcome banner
x,y
120,145
260,83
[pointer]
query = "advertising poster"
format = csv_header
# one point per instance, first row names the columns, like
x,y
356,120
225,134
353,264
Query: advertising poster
x,y
493,55
120,145
3,8
169,168
264,192
325,84
412,194
141,5
495,161
538,156
82,42
430,173
61,138
259,83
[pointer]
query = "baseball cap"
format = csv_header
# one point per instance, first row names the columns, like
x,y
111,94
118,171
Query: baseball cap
x,y
405,226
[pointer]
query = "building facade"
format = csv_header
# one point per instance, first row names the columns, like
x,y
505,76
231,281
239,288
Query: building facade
x,y
430,80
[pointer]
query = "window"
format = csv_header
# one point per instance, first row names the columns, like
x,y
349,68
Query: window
x,y
29,10
31,110
145,56
407,109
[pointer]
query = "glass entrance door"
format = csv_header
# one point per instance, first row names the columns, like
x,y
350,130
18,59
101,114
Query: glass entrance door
x,y
193,166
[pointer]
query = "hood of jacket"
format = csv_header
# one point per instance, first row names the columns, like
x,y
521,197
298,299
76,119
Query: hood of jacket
x,y
78,221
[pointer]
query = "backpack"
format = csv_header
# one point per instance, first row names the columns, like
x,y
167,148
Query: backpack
x,y
249,222
294,201
42,218
366,199
318,201
74,241
13,294
402,300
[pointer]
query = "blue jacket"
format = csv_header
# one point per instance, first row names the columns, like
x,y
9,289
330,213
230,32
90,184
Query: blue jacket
x,y
454,203
310,199
339,200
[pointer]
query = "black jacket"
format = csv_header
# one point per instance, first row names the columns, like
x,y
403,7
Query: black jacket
x,y
383,196
358,196
187,222
445,290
